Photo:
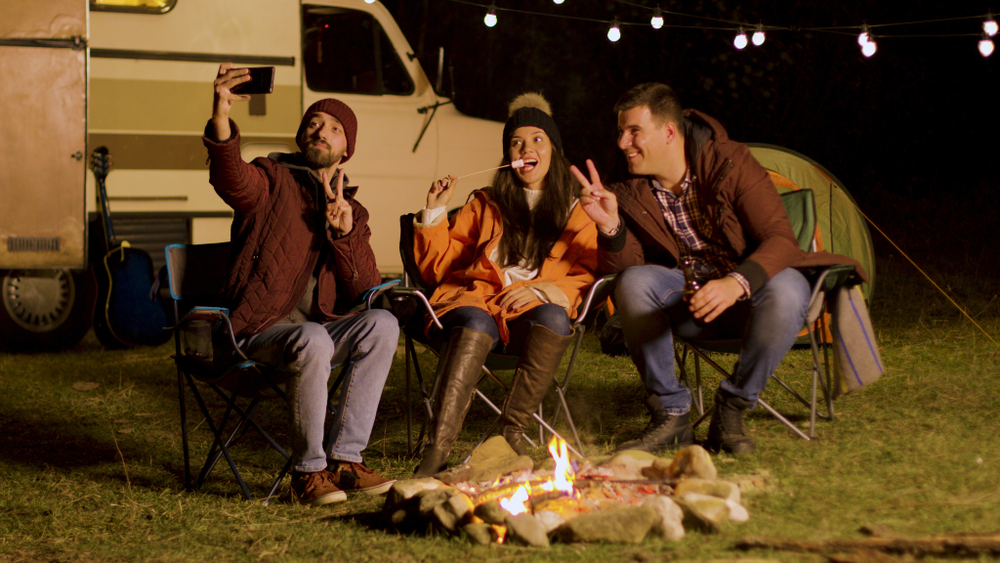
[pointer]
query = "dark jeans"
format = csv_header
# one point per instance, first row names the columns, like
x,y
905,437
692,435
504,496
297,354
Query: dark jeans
x,y
549,315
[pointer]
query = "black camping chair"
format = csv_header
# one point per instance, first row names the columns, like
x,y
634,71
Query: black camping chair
x,y
207,354
825,282
410,302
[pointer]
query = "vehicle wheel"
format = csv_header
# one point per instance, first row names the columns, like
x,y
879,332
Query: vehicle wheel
x,y
45,309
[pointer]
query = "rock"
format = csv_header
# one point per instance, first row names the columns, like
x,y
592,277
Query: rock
x,y
461,505
629,464
550,520
444,518
721,489
525,529
491,512
737,512
429,500
628,524
758,482
658,471
490,470
669,518
703,512
693,462
479,534
458,474
406,489
496,448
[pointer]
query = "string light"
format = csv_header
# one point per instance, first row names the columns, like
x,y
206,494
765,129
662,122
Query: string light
x,y
990,25
863,36
557,1
657,20
985,46
758,36
369,1
869,47
491,16
741,39
614,34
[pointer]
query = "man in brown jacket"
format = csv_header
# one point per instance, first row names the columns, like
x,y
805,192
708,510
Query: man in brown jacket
x,y
300,260
695,195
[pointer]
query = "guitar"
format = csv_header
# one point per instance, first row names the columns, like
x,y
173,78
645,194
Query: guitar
x,y
125,316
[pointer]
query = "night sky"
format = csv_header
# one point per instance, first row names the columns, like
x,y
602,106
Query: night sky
x,y
918,120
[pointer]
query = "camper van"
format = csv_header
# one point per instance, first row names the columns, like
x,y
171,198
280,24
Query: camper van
x,y
135,76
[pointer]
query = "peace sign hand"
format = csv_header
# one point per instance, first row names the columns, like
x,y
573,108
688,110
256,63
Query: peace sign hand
x,y
338,210
599,204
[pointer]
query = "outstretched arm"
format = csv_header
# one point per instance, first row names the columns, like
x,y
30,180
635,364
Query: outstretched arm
x,y
227,78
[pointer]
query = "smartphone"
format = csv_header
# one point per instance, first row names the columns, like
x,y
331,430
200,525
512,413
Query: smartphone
x,y
261,81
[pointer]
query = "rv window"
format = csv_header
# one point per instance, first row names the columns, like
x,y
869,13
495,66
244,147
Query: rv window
x,y
135,6
348,51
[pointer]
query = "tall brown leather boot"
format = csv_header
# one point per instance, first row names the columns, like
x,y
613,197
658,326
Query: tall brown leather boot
x,y
463,361
543,350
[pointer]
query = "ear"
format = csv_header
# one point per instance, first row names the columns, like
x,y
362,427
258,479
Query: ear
x,y
670,132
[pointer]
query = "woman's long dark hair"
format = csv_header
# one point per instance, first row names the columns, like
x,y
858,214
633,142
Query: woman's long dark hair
x,y
529,235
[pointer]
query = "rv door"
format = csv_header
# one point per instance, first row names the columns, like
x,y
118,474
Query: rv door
x,y
43,167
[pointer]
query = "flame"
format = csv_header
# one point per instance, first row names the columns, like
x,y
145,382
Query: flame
x,y
515,504
563,474
562,480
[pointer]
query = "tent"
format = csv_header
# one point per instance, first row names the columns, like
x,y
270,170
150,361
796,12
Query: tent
x,y
841,227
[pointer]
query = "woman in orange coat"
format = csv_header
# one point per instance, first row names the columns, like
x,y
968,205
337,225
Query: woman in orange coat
x,y
510,270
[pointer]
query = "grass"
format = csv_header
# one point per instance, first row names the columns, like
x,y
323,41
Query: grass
x,y
91,467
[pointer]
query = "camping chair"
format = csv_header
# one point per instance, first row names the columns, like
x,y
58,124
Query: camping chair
x,y
824,282
410,302
206,353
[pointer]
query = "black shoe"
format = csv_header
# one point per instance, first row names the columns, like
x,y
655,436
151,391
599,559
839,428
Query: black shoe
x,y
673,432
726,432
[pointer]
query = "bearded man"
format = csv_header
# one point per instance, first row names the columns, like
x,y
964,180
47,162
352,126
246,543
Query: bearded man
x,y
300,260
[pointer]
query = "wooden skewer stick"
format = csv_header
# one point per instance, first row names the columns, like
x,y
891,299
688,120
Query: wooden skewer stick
x,y
519,163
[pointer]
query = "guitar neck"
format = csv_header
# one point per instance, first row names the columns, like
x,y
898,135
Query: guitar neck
x,y
101,161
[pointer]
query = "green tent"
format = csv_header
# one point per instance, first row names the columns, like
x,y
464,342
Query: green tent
x,y
842,228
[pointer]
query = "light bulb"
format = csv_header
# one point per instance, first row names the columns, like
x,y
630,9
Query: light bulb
x,y
657,20
369,1
863,36
986,46
557,1
990,26
869,48
491,16
758,37
614,34
741,39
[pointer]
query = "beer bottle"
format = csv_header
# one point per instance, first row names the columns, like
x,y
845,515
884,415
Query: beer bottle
x,y
691,285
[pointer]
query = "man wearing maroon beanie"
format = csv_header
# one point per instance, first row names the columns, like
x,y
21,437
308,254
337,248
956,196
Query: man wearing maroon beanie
x,y
300,260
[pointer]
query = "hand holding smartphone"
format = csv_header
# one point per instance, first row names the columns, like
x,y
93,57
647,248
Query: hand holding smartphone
x,y
261,81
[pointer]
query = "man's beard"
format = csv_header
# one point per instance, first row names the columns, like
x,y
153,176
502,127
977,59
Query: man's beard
x,y
318,157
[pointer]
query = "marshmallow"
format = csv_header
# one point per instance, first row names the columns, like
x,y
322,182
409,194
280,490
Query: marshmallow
x,y
519,163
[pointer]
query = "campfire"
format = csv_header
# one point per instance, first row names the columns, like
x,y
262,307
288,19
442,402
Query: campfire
x,y
499,497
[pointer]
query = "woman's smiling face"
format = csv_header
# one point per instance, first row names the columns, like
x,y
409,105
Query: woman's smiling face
x,y
532,145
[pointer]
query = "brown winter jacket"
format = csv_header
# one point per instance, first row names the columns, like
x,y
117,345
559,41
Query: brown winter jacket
x,y
279,233
454,257
739,199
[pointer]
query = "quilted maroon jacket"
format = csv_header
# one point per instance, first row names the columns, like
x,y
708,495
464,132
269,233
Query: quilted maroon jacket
x,y
739,200
279,233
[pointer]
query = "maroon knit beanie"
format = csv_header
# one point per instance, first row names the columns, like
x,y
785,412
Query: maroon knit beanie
x,y
339,110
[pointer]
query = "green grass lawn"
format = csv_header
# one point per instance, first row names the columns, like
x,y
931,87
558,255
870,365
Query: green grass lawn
x,y
91,466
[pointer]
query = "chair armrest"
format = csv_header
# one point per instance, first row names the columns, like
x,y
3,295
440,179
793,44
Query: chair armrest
x,y
599,292
373,293
416,294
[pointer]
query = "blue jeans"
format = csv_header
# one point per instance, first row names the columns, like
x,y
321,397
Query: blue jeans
x,y
549,315
306,353
650,302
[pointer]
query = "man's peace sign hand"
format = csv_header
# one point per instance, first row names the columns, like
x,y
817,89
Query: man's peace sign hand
x,y
338,210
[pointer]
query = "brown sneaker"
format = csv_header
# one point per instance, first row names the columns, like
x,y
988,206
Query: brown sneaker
x,y
359,478
316,489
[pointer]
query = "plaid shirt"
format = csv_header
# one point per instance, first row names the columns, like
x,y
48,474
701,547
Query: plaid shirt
x,y
694,233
